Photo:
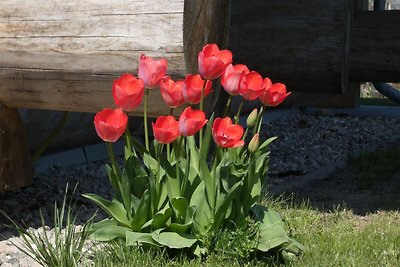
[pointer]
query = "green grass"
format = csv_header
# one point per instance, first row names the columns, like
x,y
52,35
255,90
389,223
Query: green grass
x,y
338,238
375,166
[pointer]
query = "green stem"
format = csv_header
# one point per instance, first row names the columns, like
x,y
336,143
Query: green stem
x,y
228,105
171,111
112,156
257,126
128,142
239,111
216,179
146,132
202,109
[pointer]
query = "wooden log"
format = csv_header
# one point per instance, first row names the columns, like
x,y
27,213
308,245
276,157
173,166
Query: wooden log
x,y
63,55
376,46
15,164
304,44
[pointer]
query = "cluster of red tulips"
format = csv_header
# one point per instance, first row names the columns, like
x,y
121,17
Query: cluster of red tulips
x,y
128,92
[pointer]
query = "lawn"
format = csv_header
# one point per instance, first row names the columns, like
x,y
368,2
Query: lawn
x,y
336,238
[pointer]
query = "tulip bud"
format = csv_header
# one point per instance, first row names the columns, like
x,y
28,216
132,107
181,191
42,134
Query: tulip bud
x,y
254,143
252,119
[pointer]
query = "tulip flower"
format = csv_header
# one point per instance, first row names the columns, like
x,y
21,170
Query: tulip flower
x,y
251,86
128,92
151,71
166,129
191,121
226,134
232,77
192,87
110,124
172,92
252,118
213,62
254,143
274,95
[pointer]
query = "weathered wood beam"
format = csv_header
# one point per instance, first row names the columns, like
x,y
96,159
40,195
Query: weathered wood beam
x,y
376,46
64,55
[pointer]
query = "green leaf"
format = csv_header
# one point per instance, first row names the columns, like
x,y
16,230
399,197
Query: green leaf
x,y
109,232
161,217
180,228
180,206
113,178
264,146
194,153
126,193
209,183
174,240
225,203
272,229
139,147
141,215
205,146
203,214
113,208
136,239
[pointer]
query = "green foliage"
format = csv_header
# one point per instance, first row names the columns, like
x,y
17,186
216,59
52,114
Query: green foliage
x,y
181,199
63,248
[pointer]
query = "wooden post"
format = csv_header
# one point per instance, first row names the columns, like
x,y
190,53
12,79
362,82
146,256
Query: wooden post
x,y
15,163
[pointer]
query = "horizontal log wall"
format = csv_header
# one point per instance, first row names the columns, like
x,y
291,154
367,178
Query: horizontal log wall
x,y
376,46
303,43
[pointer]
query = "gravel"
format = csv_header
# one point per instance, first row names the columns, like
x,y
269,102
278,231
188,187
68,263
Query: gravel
x,y
307,143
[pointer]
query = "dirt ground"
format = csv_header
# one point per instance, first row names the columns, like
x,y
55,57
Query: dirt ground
x,y
341,189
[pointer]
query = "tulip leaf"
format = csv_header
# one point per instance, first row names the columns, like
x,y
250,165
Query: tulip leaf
x,y
142,211
209,182
271,230
223,207
139,147
180,206
264,146
194,153
174,240
113,178
180,228
126,193
136,239
109,232
113,208
203,214
205,146
161,217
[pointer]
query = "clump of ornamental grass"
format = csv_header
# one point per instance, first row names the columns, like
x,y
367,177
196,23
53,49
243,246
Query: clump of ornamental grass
x,y
63,246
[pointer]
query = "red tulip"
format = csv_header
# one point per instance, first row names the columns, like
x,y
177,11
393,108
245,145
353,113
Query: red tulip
x,y
251,86
166,129
171,92
191,121
232,77
110,124
128,92
226,134
151,71
192,87
213,62
274,95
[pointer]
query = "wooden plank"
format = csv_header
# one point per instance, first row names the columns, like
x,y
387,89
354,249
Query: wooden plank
x,y
376,46
15,164
301,43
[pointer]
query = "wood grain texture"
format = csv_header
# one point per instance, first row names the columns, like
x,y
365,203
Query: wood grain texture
x,y
64,55
15,163
304,44
376,46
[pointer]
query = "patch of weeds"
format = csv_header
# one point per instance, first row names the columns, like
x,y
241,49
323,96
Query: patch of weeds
x,y
375,166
